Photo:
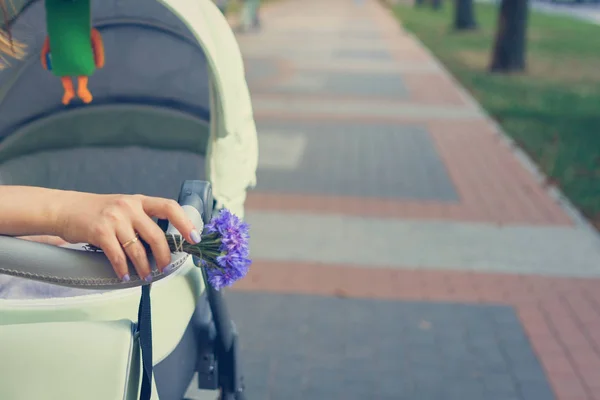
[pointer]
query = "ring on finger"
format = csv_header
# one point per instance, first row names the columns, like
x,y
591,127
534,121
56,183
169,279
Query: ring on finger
x,y
132,241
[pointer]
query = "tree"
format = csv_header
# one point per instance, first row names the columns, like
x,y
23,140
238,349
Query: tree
x,y
464,15
509,50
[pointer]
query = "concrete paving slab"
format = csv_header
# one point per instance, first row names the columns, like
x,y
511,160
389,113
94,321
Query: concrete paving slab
x,y
317,108
375,160
364,35
362,54
370,242
338,83
281,151
259,69
372,349
371,66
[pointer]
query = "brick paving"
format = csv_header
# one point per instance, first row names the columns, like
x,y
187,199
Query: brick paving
x,y
475,283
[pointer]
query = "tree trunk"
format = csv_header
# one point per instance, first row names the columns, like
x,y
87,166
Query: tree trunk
x,y
509,50
436,4
464,16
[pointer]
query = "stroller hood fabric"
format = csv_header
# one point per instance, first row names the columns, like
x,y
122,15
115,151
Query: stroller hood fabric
x,y
171,67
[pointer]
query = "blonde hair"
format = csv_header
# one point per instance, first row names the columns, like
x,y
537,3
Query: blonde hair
x,y
9,48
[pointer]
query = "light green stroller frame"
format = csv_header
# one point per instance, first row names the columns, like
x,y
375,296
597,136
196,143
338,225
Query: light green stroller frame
x,y
171,104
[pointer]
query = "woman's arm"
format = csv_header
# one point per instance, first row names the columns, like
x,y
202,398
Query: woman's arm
x,y
53,240
110,221
28,210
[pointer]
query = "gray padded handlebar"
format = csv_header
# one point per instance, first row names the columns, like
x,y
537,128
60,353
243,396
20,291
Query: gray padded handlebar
x,y
66,266
85,269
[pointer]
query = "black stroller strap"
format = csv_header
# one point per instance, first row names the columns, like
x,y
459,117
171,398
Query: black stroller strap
x,y
145,337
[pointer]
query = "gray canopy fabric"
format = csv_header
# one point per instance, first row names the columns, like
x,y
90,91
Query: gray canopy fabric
x,y
128,170
173,79
151,58
151,100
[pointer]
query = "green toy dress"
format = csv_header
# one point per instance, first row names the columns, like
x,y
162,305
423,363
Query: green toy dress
x,y
69,28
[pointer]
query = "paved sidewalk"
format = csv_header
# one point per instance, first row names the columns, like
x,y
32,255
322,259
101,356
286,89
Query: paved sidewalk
x,y
403,250
587,12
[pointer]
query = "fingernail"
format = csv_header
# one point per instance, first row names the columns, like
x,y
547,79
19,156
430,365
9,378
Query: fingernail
x,y
126,278
148,278
195,236
168,269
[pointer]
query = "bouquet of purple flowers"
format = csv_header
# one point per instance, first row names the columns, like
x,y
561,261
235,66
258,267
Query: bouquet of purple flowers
x,y
223,250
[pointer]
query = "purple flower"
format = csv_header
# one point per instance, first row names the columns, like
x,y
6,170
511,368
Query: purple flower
x,y
228,270
233,262
233,231
222,222
235,243
219,278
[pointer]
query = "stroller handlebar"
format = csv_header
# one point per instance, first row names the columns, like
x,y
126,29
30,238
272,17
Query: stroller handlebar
x,y
70,266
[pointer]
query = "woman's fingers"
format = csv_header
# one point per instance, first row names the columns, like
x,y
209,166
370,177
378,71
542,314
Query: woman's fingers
x,y
134,249
114,252
122,216
155,237
172,211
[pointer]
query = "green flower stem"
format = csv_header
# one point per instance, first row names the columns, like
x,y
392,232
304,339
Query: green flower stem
x,y
212,242
212,254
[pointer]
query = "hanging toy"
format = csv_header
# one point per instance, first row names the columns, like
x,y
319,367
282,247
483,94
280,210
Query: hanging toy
x,y
72,49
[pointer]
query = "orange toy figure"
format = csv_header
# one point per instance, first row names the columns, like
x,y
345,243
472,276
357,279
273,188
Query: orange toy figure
x,y
72,48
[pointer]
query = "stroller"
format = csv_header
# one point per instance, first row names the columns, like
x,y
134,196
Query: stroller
x,y
170,105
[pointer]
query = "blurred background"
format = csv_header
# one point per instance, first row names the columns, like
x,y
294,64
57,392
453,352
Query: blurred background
x,y
425,220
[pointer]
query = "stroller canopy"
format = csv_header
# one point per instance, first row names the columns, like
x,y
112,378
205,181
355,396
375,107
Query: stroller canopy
x,y
170,104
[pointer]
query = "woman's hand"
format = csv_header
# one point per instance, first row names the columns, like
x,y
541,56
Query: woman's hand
x,y
111,221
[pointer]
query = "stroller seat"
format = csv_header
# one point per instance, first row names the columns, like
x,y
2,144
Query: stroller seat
x,y
71,348
66,327
111,340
